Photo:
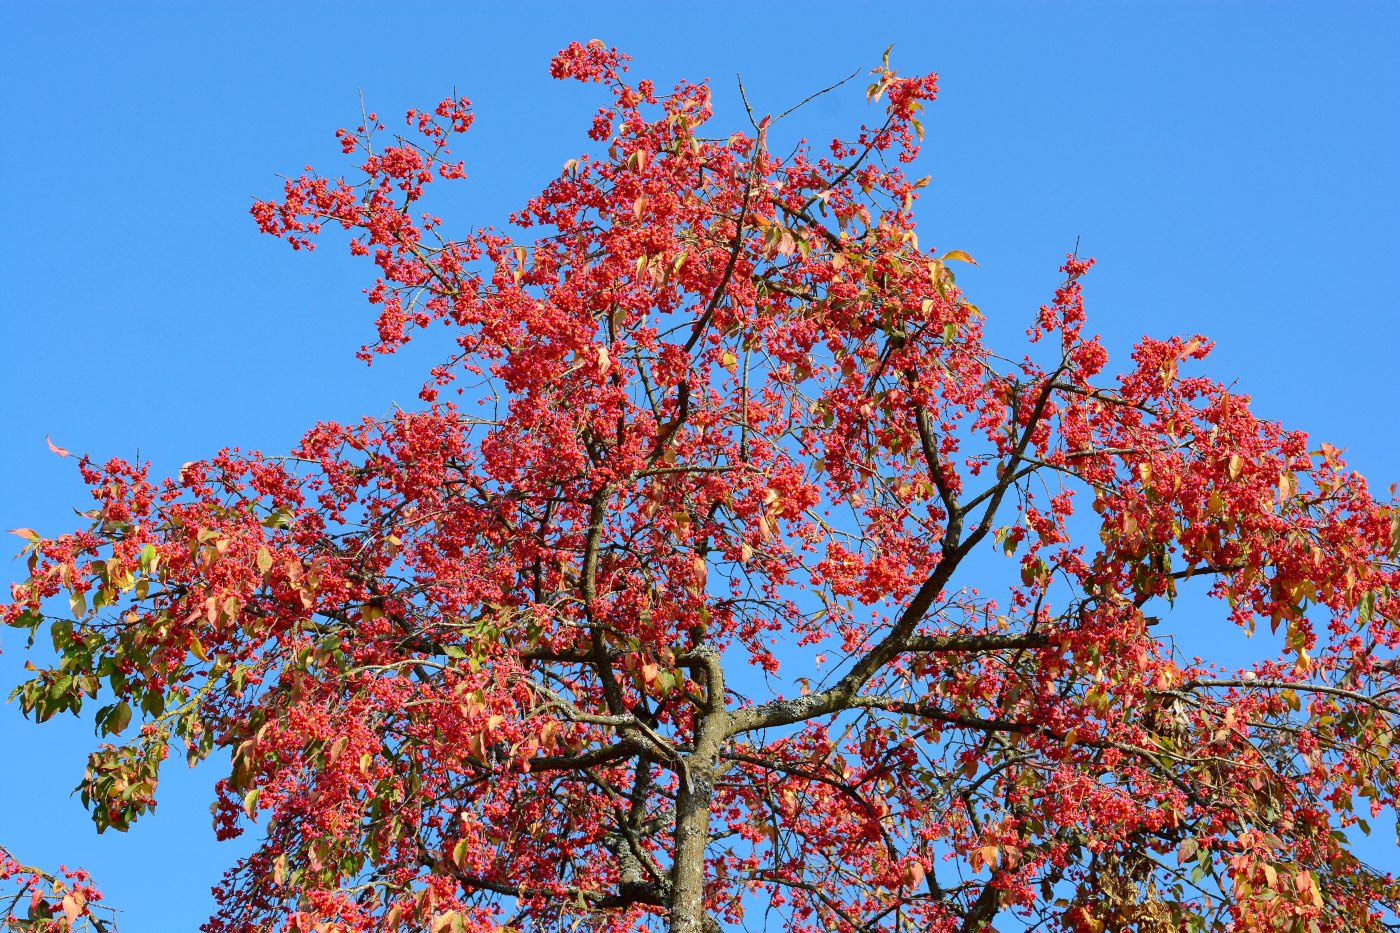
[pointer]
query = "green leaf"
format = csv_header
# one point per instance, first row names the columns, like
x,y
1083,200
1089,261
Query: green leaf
x,y
278,518
1367,608
62,634
119,718
153,702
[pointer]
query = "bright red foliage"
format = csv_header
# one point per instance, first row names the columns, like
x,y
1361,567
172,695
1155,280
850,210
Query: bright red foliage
x,y
506,661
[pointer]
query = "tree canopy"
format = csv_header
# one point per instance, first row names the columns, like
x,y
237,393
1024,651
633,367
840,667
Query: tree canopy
x,y
680,601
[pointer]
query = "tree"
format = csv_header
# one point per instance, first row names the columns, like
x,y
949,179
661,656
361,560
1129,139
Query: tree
x,y
49,902
678,607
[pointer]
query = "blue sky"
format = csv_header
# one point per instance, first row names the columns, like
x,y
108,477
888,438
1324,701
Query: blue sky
x,y
1233,167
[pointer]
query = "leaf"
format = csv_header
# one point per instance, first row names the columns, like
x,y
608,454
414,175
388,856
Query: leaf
x,y
54,447
337,749
119,718
1187,849
72,909
264,560
29,534
958,256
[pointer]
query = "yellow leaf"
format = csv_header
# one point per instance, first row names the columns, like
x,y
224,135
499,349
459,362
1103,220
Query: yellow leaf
x,y
958,255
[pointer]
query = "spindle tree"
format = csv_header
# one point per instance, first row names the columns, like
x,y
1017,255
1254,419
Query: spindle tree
x,y
681,600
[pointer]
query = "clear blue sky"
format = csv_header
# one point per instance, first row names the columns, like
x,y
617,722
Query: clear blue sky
x,y
1234,167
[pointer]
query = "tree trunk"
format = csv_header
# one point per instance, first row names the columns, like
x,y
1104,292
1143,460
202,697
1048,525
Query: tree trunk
x,y
692,833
